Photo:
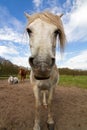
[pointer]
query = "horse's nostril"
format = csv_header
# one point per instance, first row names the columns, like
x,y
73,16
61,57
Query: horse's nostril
x,y
31,60
53,61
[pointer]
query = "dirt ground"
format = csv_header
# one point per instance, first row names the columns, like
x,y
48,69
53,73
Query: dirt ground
x,y
17,108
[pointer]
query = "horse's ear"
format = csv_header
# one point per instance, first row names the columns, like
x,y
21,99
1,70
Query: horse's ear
x,y
27,15
61,15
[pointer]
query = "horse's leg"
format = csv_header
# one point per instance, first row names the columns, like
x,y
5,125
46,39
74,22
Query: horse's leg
x,y
21,78
37,108
44,94
50,121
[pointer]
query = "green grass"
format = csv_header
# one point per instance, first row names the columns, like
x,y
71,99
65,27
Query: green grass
x,y
2,78
76,81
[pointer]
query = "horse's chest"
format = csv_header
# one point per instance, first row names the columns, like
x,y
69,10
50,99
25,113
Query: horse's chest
x,y
44,85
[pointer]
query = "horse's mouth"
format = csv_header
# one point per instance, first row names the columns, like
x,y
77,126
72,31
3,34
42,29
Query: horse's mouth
x,y
41,74
41,78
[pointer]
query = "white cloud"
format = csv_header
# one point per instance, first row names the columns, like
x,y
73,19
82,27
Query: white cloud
x,y
9,34
76,22
76,62
17,55
56,10
20,61
6,50
37,3
67,4
11,29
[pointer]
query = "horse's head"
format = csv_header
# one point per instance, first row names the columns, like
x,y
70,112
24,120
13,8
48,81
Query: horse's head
x,y
43,29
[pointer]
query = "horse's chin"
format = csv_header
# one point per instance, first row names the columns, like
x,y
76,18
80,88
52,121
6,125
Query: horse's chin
x,y
41,78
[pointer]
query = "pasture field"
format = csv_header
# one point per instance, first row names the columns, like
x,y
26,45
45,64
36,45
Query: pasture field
x,y
70,81
17,106
67,80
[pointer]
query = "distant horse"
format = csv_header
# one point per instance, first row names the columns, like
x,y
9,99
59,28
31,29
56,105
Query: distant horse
x,y
16,80
22,73
43,30
13,80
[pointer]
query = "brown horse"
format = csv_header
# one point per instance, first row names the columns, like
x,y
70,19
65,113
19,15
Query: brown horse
x,y
22,73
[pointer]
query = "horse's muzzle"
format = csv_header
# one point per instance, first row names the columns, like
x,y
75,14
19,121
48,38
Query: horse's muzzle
x,y
41,69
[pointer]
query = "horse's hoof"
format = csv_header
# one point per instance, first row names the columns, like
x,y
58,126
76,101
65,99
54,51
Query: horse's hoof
x,y
36,127
50,126
45,106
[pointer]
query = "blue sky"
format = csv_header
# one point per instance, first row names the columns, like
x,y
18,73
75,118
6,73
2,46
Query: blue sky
x,y
14,42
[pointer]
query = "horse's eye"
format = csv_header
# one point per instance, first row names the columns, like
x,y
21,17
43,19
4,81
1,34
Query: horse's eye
x,y
56,32
29,31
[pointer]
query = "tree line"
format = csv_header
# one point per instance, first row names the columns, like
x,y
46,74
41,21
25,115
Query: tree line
x,y
7,68
74,72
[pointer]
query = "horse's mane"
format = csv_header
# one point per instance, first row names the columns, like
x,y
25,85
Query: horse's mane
x,y
52,19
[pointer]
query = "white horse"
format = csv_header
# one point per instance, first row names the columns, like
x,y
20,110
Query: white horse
x,y
43,30
13,80
16,80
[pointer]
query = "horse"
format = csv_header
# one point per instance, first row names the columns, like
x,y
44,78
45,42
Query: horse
x,y
16,80
22,73
13,80
44,29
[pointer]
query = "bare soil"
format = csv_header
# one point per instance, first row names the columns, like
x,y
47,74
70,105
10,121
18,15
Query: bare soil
x,y
17,107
